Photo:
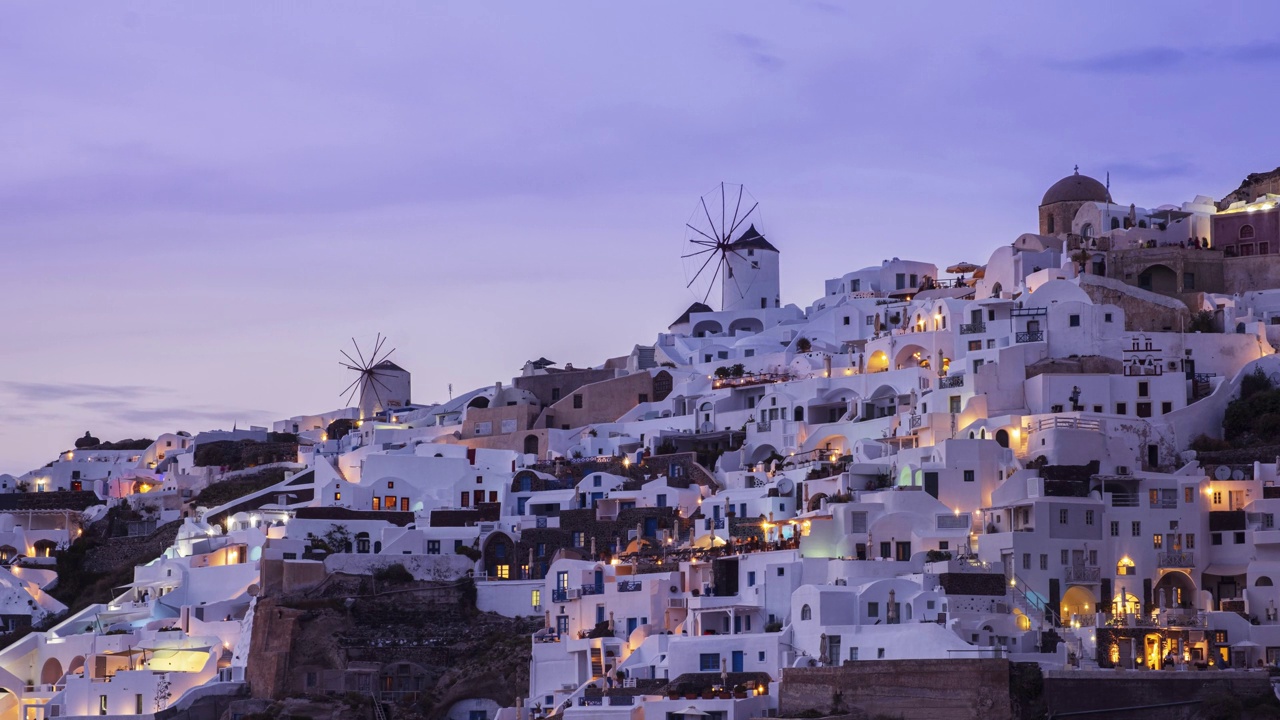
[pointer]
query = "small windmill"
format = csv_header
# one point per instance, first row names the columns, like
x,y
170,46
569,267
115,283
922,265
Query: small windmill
x,y
370,382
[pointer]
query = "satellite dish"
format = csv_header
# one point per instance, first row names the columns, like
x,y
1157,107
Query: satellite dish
x,y
1222,472
1237,474
785,486
254,590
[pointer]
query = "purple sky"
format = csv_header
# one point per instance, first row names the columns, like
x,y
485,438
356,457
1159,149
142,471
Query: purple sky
x,y
199,205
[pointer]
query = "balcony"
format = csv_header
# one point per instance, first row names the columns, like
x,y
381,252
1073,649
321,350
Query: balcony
x,y
1030,336
629,585
973,328
1185,559
763,426
1083,574
951,381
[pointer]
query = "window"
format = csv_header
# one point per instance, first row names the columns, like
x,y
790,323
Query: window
x,y
1188,494
337,496
577,398
404,504
504,572
1246,232
968,475
1106,317
555,394
1188,281
1137,528
1157,541
781,572
1263,248
1026,561
102,704
377,502
870,320
1122,408
1065,557
1062,517
1191,541
1088,517
1074,321
579,538
1217,497
1239,538
975,345
806,613
751,578
137,698
901,280
709,662
1215,538
1144,409
390,503
1115,528
1144,389
879,653
1044,561
873,609
1166,408
391,484
433,547
846,319
853,653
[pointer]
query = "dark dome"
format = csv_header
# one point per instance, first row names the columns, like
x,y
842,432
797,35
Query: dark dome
x,y
1076,188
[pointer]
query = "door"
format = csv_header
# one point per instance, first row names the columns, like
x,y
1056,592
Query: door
x,y
737,626
631,626
599,581
651,527
1235,499
931,483
738,658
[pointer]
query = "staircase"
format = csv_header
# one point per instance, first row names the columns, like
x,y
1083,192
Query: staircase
x,y
1031,603
597,662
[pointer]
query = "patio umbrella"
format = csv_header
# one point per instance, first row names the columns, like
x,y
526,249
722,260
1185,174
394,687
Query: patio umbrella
x,y
693,712
963,267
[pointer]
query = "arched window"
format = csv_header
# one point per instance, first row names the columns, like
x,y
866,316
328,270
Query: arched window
x,y
1246,232
1263,581
799,413
1086,230
806,613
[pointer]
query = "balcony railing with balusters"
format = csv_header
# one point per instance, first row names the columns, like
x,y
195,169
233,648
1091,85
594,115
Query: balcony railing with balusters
x,y
1183,559
1030,336
973,328
951,381
629,585
762,425
1083,574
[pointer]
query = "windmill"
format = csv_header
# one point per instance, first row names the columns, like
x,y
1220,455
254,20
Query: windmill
x,y
373,377
725,250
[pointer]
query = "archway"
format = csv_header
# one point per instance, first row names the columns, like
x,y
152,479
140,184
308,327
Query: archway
x,y
51,673
815,502
1159,279
707,327
1078,600
745,326
76,666
878,362
530,444
763,453
911,356
1002,438
45,548
1263,581
499,556
1179,590
478,401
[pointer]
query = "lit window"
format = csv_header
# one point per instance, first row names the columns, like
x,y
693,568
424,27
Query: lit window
x,y
536,599
504,572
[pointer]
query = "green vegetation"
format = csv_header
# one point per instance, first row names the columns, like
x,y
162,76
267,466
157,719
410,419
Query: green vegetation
x,y
1254,417
1203,322
221,493
241,454
395,573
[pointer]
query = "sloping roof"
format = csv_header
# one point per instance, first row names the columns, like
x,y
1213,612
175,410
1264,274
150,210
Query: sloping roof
x,y
752,239
694,308
388,365
57,500
541,362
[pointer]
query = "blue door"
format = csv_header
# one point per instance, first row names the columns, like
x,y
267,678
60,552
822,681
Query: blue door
x,y
737,660
631,626
650,527
599,581
737,625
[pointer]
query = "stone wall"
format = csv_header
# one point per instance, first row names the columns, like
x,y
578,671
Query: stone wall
x,y
976,689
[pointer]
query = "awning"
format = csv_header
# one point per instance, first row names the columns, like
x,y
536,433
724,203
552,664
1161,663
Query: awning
x,y
1226,569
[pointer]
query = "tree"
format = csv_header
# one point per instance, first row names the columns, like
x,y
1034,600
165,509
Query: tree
x,y
738,370
1203,322
803,345
722,372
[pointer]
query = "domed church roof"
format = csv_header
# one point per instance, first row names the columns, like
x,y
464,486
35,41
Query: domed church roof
x,y
1076,188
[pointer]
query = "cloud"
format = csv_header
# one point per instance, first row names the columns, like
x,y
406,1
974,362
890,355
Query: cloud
x,y
1154,169
30,392
1163,59
757,51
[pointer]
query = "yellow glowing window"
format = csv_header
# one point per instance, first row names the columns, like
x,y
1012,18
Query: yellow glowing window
x,y
377,503
391,502
337,496
504,572
536,600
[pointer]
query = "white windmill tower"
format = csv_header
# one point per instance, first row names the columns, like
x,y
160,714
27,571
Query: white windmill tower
x,y
731,252
381,384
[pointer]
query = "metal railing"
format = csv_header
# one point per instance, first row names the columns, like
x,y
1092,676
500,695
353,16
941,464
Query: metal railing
x,y
629,585
1124,500
951,381
1083,574
973,328
1030,336
1183,559
762,425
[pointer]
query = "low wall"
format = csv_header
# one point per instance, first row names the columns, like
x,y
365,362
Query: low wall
x,y
1130,693
976,689
422,567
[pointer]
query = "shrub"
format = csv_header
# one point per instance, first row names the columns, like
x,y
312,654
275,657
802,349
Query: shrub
x,y
1204,443
937,555
470,553
803,345
339,428
393,573
1203,322
774,626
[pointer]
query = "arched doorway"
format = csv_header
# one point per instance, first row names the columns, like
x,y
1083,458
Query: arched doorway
x,y
45,548
1174,590
815,502
1078,600
478,401
878,362
530,444
1002,438
1159,279
799,413
51,673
